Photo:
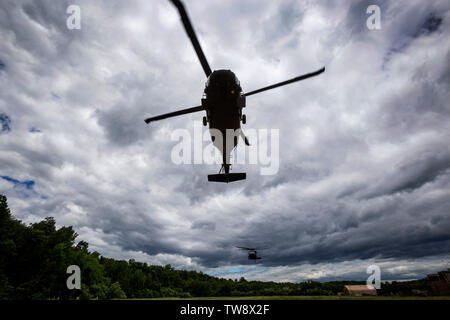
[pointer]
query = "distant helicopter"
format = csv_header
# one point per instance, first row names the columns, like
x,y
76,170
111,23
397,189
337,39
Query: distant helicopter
x,y
252,253
223,101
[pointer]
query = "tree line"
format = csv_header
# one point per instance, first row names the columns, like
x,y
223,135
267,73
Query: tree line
x,y
34,261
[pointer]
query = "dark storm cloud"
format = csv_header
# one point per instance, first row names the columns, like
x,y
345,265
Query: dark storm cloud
x,y
431,24
39,12
364,162
344,237
204,225
418,107
445,75
356,18
413,175
121,127
194,187
48,15
347,237
5,121
146,236
124,122
283,21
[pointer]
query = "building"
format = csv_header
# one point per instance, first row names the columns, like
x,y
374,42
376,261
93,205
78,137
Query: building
x,y
440,283
359,290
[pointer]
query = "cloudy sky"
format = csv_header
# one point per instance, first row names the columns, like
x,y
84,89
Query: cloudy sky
x,y
364,154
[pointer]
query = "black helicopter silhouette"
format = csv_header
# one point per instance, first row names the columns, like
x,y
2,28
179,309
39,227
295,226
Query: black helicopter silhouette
x,y
223,101
252,252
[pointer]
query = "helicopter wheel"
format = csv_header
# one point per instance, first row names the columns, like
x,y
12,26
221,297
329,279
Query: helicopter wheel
x,y
244,119
205,121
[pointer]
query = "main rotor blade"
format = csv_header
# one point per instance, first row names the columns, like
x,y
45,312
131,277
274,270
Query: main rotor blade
x,y
303,77
174,114
191,33
244,248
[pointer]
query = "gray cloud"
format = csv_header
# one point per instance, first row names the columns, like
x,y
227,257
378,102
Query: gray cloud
x,y
5,121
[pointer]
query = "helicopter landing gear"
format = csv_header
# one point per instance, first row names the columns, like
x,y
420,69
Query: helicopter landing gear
x,y
225,168
224,175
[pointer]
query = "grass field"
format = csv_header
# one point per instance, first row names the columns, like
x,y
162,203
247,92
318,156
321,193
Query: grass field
x,y
309,298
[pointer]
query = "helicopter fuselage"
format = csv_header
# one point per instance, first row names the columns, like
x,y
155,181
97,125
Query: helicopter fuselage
x,y
253,256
